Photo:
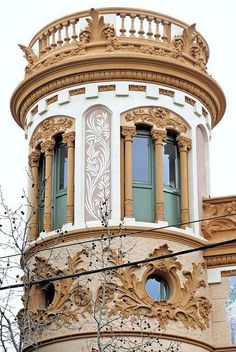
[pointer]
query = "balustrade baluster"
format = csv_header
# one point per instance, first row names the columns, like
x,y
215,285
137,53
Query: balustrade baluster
x,y
67,37
53,42
74,34
132,29
141,30
42,45
122,28
48,46
150,33
59,38
166,37
157,35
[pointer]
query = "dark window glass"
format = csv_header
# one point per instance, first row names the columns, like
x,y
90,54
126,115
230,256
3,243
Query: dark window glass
x,y
171,165
63,161
157,288
141,159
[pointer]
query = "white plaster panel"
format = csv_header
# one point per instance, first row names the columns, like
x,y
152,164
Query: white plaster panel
x,y
118,102
214,274
63,97
152,91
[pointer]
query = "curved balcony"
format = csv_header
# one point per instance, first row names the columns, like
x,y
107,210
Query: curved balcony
x,y
112,39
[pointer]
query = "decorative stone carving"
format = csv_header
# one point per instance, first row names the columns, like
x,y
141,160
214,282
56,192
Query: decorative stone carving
x,y
96,30
157,117
97,161
184,305
34,159
145,76
50,127
184,143
71,300
30,56
224,214
128,132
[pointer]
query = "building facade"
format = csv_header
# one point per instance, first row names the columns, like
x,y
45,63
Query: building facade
x,y
118,109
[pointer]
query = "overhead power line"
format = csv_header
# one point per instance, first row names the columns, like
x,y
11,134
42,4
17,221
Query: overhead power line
x,y
119,266
130,233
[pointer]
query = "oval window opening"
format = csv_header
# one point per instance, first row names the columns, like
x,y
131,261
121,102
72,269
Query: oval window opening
x,y
157,288
49,293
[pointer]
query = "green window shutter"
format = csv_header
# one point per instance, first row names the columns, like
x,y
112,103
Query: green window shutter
x,y
143,176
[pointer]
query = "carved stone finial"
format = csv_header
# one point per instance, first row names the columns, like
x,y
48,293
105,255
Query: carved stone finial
x,y
96,30
30,56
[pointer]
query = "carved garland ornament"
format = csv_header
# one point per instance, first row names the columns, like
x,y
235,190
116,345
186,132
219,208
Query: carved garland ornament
x,y
125,293
227,222
71,300
184,305
158,117
50,127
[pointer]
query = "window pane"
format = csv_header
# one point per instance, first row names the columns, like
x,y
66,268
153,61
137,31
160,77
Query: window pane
x,y
141,159
63,160
157,288
170,165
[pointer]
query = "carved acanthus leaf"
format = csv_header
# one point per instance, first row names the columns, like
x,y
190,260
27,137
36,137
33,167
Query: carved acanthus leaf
x,y
185,306
215,210
71,300
157,117
49,128
30,56
96,30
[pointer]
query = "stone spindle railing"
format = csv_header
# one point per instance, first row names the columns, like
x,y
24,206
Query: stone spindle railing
x,y
128,23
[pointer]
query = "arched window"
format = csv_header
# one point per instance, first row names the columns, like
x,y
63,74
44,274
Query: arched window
x,y
171,185
143,176
60,165
157,288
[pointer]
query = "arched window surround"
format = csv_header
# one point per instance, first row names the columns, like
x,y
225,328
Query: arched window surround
x,y
43,142
161,121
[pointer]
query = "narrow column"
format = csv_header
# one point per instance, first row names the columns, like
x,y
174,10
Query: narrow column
x,y
184,145
69,140
48,149
128,133
159,136
34,165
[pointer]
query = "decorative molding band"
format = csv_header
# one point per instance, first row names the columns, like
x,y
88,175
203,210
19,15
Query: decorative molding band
x,y
220,260
80,78
89,335
228,273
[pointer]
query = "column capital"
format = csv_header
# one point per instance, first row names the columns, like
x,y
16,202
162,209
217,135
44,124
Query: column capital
x,y
184,143
128,132
48,147
69,139
159,136
33,158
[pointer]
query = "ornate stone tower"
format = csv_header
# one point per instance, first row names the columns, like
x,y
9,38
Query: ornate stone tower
x,y
118,108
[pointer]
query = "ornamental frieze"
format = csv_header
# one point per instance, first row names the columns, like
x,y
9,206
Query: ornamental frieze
x,y
157,117
185,304
124,290
220,216
49,128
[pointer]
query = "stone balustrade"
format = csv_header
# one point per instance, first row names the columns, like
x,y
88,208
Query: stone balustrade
x,y
112,29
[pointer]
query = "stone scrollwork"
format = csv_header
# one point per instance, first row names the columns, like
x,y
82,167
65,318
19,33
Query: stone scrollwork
x,y
71,300
184,305
49,128
221,217
157,117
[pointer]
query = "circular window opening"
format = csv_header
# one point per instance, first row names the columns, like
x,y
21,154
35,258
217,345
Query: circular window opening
x,y
48,290
157,288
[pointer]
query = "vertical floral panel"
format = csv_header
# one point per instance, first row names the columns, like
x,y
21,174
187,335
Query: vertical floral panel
x,y
97,162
